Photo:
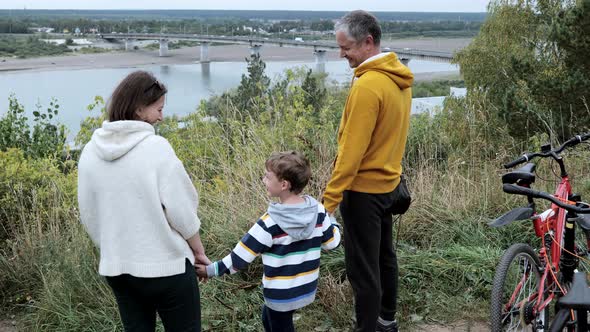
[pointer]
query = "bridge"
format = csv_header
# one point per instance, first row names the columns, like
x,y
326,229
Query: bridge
x,y
256,43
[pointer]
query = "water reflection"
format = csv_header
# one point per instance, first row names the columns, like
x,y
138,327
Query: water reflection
x,y
206,72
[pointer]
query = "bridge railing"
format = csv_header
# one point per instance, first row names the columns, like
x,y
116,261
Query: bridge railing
x,y
261,40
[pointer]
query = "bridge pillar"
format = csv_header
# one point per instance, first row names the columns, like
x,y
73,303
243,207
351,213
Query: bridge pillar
x,y
128,44
255,49
205,52
405,61
163,47
320,60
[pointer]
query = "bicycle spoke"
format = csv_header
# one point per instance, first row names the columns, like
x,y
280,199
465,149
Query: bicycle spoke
x,y
582,250
524,278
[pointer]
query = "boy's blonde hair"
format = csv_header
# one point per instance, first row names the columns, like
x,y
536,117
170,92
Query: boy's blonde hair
x,y
291,166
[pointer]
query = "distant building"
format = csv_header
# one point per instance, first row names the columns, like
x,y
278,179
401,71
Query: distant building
x,y
93,30
284,20
77,31
263,32
42,29
66,31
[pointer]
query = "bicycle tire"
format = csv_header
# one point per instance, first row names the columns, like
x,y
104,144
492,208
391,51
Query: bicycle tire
x,y
502,290
582,250
559,322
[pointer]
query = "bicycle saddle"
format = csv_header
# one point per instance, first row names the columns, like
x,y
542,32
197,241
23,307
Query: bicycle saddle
x,y
578,297
523,175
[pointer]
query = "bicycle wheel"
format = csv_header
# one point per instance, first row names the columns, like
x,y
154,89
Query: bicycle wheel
x,y
560,320
582,249
515,291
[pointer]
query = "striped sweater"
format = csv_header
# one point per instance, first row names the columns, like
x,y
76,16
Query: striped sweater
x,y
291,267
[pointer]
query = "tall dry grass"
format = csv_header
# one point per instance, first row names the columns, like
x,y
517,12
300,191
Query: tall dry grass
x,y
447,253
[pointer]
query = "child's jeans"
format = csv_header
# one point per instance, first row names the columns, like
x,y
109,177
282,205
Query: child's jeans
x,y
277,321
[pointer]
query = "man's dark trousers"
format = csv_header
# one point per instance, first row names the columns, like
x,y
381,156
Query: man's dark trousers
x,y
371,262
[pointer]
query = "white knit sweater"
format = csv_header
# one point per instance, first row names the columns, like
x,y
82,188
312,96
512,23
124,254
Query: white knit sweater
x,y
136,201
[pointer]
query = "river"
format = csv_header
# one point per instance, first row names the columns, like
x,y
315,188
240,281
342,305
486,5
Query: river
x,y
187,85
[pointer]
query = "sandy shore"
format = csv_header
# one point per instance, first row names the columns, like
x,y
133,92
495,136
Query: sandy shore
x,y
143,57
191,55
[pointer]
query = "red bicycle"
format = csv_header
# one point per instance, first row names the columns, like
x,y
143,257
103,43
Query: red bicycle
x,y
528,280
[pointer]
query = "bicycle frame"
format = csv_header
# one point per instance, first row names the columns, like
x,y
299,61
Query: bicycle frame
x,y
554,223
549,227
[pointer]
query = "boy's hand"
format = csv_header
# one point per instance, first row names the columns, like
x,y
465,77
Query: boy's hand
x,y
333,220
201,270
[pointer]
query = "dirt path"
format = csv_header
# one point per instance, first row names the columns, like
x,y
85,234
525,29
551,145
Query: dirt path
x,y
461,326
7,326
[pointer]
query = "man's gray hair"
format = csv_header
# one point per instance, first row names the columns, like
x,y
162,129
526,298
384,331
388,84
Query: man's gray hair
x,y
358,25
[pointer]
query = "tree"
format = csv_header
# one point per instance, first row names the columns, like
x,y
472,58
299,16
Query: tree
x,y
45,138
571,32
253,87
315,92
14,129
322,25
91,123
520,63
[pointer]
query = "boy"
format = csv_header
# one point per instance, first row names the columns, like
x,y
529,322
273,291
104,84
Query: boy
x,y
289,237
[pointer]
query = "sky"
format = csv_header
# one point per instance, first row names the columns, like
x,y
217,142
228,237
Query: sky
x,y
319,5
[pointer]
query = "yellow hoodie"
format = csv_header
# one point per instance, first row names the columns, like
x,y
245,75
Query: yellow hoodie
x,y
373,130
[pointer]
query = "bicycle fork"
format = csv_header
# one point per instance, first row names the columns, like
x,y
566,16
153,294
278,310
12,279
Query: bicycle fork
x,y
569,261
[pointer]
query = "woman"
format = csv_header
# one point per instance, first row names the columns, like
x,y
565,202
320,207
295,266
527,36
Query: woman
x,y
140,208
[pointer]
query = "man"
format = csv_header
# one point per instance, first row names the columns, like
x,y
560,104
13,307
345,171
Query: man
x,y
371,142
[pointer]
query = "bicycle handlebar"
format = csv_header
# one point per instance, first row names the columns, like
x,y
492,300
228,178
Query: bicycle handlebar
x,y
530,156
519,190
518,161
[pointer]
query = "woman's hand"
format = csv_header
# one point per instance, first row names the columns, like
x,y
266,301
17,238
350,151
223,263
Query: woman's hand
x,y
201,259
201,270
198,250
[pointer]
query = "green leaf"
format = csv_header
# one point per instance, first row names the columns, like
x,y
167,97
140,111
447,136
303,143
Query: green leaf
x,y
36,114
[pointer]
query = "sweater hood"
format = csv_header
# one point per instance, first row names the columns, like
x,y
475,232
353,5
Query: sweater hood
x,y
114,139
388,64
297,220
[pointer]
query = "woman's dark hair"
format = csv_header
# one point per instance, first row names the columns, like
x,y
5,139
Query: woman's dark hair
x,y
137,90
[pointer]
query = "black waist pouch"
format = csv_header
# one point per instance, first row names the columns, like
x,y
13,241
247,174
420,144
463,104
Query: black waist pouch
x,y
401,197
